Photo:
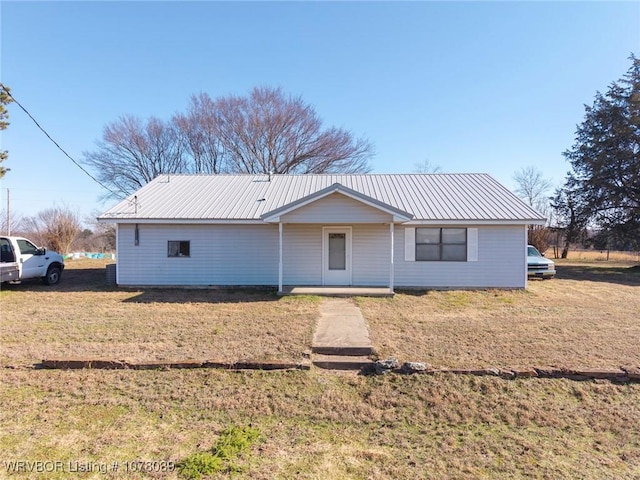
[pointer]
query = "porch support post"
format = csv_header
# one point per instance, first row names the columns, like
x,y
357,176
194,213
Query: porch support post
x,y
391,266
280,258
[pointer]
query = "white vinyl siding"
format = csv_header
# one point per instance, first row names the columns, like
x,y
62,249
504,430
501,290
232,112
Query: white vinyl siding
x,y
336,209
219,255
302,252
498,262
248,255
302,246
371,255
410,244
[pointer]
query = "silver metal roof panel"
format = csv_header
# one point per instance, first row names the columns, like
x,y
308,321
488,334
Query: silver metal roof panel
x,y
427,197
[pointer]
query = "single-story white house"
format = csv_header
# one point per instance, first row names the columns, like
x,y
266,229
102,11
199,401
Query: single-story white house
x,y
413,230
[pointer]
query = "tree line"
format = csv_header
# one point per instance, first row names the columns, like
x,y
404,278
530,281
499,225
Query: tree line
x,y
61,229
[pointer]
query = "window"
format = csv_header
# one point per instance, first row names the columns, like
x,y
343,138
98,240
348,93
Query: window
x,y
27,248
179,248
6,252
441,244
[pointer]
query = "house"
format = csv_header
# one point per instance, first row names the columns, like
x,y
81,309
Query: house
x,y
413,230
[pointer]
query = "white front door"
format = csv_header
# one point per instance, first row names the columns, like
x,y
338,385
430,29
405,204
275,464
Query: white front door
x,y
336,255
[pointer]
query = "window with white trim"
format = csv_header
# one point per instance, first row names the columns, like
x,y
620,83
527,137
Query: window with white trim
x,y
178,248
441,244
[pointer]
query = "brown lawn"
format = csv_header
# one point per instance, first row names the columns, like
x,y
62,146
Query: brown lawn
x,y
82,317
315,424
587,317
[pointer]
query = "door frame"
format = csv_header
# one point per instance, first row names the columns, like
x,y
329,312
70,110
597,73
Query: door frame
x,y
325,250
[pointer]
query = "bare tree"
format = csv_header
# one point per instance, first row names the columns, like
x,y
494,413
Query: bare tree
x,y
199,136
56,228
266,131
426,167
540,237
103,236
533,188
132,153
15,224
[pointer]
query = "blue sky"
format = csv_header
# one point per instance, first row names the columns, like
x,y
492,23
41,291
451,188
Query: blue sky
x,y
470,86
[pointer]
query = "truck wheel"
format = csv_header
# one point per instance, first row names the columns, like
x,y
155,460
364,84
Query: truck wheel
x,y
53,275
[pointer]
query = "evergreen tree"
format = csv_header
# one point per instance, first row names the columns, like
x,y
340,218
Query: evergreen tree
x,y
605,158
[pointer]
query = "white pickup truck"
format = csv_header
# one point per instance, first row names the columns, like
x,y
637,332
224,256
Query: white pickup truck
x,y
21,260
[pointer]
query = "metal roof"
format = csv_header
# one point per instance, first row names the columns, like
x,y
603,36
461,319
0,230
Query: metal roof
x,y
427,197
274,215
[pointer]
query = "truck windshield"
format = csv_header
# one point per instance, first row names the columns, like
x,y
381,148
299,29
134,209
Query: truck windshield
x,y
532,252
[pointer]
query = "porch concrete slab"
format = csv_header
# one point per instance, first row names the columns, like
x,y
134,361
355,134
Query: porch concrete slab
x,y
341,330
339,291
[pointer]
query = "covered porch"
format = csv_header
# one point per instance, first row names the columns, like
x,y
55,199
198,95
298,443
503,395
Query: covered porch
x,y
336,242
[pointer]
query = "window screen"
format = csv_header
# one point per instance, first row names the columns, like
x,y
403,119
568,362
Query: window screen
x,y
179,248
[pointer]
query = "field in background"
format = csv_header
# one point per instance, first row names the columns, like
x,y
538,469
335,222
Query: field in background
x,y
320,425
596,256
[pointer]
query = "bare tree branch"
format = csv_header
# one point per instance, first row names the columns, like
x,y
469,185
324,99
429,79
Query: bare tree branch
x,y
265,131
426,167
56,228
533,188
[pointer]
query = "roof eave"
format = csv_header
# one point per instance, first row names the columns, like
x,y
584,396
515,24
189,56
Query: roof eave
x,y
477,221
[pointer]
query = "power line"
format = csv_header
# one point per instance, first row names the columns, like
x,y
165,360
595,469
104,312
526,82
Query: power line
x,y
6,90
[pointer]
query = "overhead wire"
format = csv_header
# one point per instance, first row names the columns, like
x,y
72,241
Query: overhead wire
x,y
6,90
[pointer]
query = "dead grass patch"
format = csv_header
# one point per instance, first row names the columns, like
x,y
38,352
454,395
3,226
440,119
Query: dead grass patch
x,y
82,317
597,256
587,317
316,425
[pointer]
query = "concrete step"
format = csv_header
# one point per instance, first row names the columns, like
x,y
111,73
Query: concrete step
x,y
350,351
340,362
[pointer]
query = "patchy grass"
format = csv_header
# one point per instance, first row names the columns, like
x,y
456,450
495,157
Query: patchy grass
x,y
233,442
320,425
317,425
82,317
587,317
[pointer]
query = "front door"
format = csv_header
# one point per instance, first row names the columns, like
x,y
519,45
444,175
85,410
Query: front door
x,y
336,258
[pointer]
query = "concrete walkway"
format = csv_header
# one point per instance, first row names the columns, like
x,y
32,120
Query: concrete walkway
x,y
341,340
